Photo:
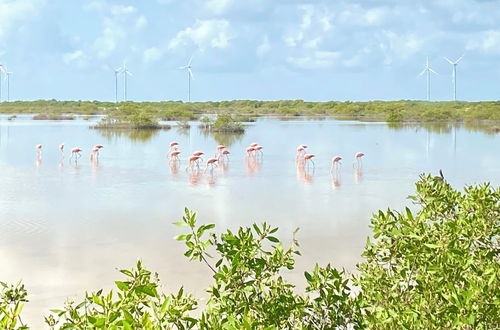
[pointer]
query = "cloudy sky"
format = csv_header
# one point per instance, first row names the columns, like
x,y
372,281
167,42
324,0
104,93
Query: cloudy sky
x,y
250,49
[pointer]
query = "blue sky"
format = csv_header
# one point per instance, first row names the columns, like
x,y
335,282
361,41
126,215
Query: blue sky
x,y
250,49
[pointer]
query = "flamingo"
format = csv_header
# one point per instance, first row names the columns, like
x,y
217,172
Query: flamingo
x,y
61,147
301,150
224,153
192,160
258,148
254,144
75,152
99,146
94,154
335,163
310,158
173,146
174,155
250,151
39,150
357,159
211,162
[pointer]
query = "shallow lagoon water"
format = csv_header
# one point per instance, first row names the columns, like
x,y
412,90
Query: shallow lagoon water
x,y
65,228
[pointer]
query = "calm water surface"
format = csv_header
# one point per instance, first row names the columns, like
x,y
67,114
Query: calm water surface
x,y
65,228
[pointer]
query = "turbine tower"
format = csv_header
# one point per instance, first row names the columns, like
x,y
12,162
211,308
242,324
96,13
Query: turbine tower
x,y
190,75
428,70
2,70
454,75
117,71
125,74
7,76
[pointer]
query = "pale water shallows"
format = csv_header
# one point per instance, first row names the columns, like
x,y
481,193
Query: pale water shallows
x,y
65,228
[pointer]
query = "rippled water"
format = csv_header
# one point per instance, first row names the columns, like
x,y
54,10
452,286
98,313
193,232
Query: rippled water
x,y
65,228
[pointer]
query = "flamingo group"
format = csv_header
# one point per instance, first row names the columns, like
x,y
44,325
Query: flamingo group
x,y
303,157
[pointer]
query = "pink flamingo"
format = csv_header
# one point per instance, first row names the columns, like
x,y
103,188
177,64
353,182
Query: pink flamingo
x,y
225,153
193,160
211,162
301,150
174,155
258,148
75,152
254,144
335,163
94,154
357,159
99,146
309,157
173,146
39,150
250,151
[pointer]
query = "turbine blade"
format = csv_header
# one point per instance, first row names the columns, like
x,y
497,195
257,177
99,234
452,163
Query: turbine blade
x,y
433,71
421,73
129,73
190,60
191,73
183,67
449,61
456,62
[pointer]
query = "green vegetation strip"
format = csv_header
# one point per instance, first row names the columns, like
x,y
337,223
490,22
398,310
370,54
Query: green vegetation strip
x,y
392,111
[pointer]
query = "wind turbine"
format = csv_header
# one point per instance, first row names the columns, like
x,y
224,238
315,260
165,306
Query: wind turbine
x,y
117,71
428,70
2,70
125,74
454,75
7,76
190,75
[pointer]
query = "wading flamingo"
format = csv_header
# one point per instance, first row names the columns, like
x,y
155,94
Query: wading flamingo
x,y
39,150
94,154
224,154
173,146
250,151
174,155
254,144
357,159
335,163
309,157
301,150
258,149
212,162
75,152
193,160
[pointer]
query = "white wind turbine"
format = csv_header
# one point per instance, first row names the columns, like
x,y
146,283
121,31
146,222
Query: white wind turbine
x,y
190,75
454,75
117,71
2,70
7,76
125,74
428,70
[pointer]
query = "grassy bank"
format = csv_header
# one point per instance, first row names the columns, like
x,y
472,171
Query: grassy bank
x,y
391,111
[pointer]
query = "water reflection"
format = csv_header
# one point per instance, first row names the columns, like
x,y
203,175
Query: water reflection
x,y
358,175
225,138
136,135
253,164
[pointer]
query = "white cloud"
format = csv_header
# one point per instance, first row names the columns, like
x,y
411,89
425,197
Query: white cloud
x,y
487,42
111,35
141,22
317,60
16,12
152,54
403,45
264,47
122,10
77,57
217,6
214,33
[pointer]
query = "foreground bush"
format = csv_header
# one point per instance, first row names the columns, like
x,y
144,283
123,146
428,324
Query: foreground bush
x,y
436,268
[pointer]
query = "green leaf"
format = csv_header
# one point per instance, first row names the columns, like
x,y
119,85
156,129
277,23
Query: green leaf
x,y
273,239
